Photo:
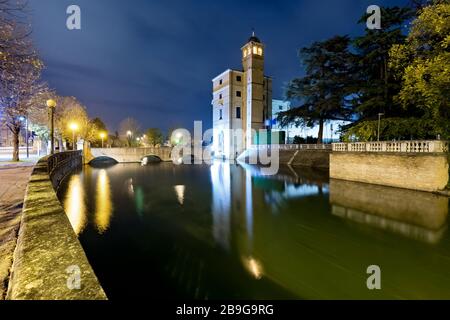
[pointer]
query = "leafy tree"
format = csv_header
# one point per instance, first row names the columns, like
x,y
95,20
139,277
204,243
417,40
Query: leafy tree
x,y
100,127
377,86
154,136
325,90
422,65
390,129
70,111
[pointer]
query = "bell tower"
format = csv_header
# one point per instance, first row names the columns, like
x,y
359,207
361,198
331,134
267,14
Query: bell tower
x,y
253,97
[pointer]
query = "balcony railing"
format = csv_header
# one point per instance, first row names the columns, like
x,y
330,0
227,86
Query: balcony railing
x,y
418,146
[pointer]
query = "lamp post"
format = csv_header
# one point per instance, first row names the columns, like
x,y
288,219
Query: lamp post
x,y
26,133
102,136
74,128
27,138
129,134
51,104
379,124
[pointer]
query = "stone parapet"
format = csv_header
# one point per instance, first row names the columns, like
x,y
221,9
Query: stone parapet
x,y
49,257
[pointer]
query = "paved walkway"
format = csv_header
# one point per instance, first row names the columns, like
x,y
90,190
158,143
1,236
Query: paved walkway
x,y
13,182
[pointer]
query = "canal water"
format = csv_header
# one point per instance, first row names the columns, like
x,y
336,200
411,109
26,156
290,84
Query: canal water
x,y
227,232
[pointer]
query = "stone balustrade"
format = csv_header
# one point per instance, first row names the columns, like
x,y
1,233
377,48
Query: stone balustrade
x,y
294,146
419,146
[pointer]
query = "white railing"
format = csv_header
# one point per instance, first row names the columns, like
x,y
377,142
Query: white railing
x,y
294,146
419,146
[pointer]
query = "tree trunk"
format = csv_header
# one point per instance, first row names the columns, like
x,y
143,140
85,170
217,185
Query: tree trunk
x,y
16,132
320,136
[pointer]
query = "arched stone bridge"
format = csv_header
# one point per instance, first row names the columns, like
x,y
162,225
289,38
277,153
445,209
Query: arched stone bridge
x,y
123,155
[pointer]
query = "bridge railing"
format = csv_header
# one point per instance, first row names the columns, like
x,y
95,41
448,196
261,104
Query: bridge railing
x,y
414,146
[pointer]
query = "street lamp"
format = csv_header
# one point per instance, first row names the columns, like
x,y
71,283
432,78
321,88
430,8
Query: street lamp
x,y
379,124
102,136
129,134
51,104
26,133
73,127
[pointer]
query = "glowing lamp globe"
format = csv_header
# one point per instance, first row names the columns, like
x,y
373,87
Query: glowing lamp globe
x,y
51,103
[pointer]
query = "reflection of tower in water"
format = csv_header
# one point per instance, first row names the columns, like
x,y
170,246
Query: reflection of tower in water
x,y
221,204
233,200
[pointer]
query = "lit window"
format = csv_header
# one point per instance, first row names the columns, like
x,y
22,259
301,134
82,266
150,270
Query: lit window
x,y
249,51
260,51
255,50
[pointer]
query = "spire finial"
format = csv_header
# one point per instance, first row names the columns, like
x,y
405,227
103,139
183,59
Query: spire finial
x,y
253,32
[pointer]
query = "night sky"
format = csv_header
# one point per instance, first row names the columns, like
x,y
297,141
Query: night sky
x,y
154,60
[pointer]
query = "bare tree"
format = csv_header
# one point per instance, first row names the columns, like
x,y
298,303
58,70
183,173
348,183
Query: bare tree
x,y
129,130
20,70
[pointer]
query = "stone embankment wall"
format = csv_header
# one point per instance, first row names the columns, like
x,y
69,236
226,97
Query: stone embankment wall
x,y
313,156
49,259
417,165
425,172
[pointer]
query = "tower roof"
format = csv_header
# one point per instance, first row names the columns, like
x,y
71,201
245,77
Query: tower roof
x,y
254,38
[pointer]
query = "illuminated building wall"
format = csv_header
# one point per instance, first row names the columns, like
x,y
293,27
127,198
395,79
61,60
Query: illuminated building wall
x,y
242,100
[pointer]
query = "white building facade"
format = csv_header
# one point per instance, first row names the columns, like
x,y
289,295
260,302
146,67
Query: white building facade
x,y
242,102
331,130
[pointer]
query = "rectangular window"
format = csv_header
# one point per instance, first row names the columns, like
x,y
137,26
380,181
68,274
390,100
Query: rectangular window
x,y
238,93
220,96
238,78
220,114
220,82
238,112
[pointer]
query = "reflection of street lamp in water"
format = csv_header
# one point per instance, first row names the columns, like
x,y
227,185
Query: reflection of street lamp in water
x,y
73,127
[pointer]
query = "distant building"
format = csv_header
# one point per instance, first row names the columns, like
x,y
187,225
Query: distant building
x,y
6,136
330,131
242,101
277,107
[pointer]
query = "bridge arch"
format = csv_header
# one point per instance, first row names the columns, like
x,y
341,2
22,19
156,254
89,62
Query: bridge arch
x,y
152,158
103,161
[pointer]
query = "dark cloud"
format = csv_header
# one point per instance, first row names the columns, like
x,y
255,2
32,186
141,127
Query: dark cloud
x,y
154,60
